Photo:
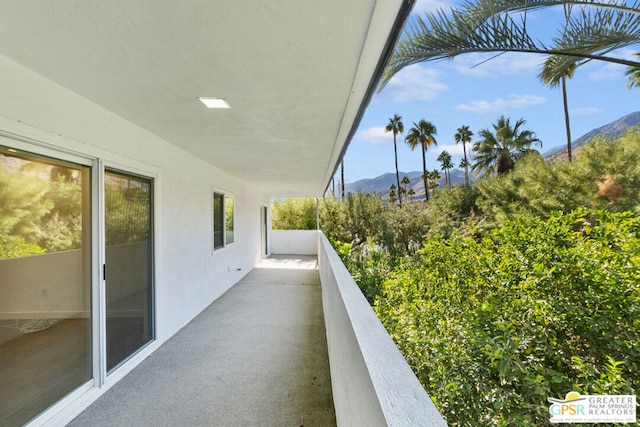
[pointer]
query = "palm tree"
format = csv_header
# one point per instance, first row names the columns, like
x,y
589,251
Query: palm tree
x,y
422,133
445,162
402,190
392,194
405,181
464,164
434,176
549,78
411,192
425,178
593,31
499,152
464,135
396,126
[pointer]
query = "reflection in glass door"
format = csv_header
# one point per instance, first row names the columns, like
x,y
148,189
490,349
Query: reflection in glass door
x,y
128,266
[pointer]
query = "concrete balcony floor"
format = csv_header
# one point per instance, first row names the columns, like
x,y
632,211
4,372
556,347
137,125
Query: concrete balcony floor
x,y
257,356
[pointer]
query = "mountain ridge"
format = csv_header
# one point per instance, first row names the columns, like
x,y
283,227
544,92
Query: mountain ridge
x,y
613,129
380,184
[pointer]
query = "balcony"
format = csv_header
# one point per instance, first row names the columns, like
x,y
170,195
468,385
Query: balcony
x,y
293,343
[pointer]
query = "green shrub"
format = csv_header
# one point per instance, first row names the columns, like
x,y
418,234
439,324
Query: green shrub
x,y
368,266
294,213
605,175
493,327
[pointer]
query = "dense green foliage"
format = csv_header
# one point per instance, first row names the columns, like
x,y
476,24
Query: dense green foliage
x,y
524,287
294,214
40,211
15,247
41,207
534,309
127,204
21,204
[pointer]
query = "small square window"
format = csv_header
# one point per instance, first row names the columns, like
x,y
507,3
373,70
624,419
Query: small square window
x,y
223,220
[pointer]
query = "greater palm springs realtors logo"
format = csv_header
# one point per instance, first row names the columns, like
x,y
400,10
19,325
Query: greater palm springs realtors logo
x,y
593,409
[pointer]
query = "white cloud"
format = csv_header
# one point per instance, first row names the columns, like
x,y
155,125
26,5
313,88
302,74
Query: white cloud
x,y
584,111
423,6
602,70
495,65
499,105
454,149
375,135
415,83
606,71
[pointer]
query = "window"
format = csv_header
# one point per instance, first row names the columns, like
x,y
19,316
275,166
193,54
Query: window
x,y
222,220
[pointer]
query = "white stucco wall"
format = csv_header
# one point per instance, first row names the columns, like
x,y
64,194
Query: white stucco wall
x,y
372,384
298,242
189,274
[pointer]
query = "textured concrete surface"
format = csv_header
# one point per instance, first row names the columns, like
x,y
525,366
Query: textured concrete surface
x,y
256,357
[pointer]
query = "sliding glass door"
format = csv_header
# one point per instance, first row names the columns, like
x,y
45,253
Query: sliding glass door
x,y
45,282
128,265
61,283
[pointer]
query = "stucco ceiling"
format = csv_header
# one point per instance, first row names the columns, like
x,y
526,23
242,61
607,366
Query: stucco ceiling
x,y
296,73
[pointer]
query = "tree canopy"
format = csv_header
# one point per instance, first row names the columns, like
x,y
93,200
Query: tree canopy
x,y
498,151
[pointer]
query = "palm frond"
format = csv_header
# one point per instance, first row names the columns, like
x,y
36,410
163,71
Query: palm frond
x,y
444,37
589,34
486,26
480,8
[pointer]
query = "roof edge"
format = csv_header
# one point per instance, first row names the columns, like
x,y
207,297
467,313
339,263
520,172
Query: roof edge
x,y
394,36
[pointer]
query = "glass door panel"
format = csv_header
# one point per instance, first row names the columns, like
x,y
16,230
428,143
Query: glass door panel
x,y
128,267
45,282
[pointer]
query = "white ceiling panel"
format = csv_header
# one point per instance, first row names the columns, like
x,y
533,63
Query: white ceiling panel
x,y
296,73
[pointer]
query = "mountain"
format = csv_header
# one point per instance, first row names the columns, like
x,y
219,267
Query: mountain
x,y
610,130
380,184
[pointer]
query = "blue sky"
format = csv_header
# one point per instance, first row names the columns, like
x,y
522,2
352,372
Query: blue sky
x,y
460,92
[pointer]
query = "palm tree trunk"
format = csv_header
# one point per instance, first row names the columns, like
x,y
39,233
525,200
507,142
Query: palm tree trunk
x,y
466,168
566,115
424,172
342,179
395,150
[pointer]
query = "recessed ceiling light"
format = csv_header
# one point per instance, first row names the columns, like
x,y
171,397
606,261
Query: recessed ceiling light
x,y
214,102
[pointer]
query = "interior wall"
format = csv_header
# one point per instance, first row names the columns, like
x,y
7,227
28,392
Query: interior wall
x,y
37,286
189,274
